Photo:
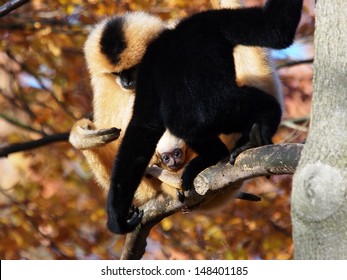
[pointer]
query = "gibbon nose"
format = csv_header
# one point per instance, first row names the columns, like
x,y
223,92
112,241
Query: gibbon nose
x,y
174,167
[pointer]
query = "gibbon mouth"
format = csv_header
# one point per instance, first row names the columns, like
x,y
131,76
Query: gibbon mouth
x,y
174,167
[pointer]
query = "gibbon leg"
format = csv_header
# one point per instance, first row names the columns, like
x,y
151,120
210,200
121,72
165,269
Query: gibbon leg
x,y
248,140
210,151
260,122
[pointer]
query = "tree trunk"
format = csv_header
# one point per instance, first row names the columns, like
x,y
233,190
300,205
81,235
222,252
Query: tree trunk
x,y
319,197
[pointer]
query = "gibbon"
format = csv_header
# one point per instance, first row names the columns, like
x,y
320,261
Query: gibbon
x,y
186,82
253,68
171,152
171,156
113,84
113,98
167,163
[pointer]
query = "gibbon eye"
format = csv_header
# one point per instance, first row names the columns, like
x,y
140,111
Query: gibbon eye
x,y
177,153
127,80
165,159
116,74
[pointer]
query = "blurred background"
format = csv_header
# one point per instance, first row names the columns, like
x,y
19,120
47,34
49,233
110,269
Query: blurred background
x,y
50,206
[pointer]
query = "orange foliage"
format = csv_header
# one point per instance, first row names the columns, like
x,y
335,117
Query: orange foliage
x,y
50,207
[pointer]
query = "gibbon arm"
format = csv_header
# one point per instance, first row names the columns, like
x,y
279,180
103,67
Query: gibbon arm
x,y
97,148
173,179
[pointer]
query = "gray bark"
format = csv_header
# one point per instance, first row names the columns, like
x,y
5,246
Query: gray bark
x,y
319,196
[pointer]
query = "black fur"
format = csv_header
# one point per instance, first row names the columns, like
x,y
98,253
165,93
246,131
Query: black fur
x,y
186,83
112,40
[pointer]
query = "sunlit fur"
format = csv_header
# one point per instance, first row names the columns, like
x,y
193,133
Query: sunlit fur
x,y
112,104
253,65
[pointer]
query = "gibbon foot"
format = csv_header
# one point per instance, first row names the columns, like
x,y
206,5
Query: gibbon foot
x,y
108,135
238,151
180,196
134,216
233,157
247,141
84,135
188,177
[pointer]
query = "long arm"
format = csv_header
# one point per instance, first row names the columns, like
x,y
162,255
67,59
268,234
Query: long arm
x,y
172,179
136,150
131,162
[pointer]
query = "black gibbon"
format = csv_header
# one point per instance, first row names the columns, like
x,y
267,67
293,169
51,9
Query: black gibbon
x,y
113,85
253,68
186,82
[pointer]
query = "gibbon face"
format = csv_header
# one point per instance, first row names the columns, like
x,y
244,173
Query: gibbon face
x,y
171,152
113,49
173,160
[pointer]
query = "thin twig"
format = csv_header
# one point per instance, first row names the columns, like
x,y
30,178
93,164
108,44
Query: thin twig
x,y
295,63
19,147
11,6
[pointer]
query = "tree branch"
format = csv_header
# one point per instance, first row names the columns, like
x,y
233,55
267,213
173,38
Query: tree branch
x,y
5,151
11,5
295,63
261,161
